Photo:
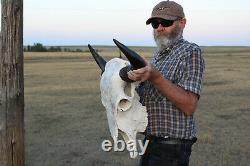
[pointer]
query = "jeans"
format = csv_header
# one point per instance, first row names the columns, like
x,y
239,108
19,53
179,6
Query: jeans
x,y
158,154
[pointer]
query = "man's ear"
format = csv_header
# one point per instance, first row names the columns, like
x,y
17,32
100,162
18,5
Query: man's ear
x,y
182,23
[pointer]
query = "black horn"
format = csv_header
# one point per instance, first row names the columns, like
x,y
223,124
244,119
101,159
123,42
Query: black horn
x,y
99,60
135,60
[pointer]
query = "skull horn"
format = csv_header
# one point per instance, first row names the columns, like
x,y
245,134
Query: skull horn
x,y
99,60
135,60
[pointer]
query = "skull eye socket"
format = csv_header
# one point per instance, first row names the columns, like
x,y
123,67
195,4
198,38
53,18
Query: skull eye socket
x,y
124,104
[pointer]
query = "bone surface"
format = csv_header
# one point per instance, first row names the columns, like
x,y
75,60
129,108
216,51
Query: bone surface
x,y
125,113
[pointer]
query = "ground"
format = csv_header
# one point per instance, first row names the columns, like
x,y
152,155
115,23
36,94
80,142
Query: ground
x,y
65,122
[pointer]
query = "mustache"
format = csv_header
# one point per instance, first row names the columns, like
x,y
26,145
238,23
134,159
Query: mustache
x,y
165,39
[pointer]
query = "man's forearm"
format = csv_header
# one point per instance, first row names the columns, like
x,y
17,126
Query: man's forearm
x,y
184,100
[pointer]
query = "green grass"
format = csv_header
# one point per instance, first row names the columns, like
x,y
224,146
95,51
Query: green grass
x,y
65,122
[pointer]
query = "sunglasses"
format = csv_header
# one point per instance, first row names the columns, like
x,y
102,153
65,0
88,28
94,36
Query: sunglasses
x,y
165,23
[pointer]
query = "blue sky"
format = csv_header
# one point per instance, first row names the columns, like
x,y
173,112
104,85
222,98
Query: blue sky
x,y
79,22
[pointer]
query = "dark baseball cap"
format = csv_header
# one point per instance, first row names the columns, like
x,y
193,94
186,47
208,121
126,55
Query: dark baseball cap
x,y
168,10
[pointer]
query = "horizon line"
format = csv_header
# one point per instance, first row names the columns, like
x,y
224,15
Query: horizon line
x,y
109,45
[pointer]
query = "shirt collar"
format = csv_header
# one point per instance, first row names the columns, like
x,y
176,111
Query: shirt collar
x,y
162,53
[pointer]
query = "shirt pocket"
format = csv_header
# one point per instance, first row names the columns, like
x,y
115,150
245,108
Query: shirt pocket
x,y
172,70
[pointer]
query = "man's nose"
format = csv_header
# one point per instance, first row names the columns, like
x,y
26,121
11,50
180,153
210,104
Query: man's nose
x,y
160,28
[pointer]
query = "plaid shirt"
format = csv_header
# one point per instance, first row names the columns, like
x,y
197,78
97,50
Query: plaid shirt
x,y
183,65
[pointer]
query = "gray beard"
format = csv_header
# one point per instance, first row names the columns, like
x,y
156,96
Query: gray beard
x,y
164,41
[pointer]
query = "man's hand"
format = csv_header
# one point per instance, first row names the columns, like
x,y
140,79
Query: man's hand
x,y
146,73
141,74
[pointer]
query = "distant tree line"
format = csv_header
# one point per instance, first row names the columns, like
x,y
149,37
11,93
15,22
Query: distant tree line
x,y
38,47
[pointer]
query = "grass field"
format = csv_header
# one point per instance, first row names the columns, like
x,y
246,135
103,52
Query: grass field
x,y
65,122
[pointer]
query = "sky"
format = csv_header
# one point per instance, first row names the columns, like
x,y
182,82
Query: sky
x,y
97,22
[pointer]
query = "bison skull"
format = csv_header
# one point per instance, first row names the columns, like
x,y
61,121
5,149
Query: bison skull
x,y
125,113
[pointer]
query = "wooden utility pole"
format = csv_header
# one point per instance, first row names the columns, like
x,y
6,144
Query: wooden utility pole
x,y
11,84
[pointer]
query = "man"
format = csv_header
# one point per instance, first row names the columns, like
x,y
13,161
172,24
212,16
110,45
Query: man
x,y
170,89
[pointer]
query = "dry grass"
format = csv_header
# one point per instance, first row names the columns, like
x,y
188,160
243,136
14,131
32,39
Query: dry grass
x,y
66,123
